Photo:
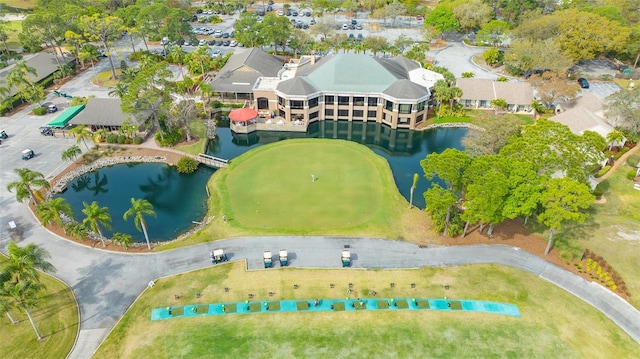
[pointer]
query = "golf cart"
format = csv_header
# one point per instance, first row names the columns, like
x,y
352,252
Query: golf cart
x,y
346,257
52,108
267,257
46,131
218,256
3,135
27,154
284,259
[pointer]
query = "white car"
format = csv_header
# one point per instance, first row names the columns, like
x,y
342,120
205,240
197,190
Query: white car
x,y
345,27
234,43
202,42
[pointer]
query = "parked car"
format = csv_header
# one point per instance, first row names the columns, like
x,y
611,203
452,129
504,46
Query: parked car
x,y
225,35
352,36
234,43
353,21
46,131
345,27
187,43
211,42
419,18
312,22
226,43
358,27
294,13
202,42
360,36
583,83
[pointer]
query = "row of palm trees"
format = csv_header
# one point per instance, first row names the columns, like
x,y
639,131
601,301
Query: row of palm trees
x,y
54,210
20,285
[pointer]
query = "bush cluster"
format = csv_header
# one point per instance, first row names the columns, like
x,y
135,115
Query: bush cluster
x,y
170,138
112,138
599,270
633,160
602,171
137,140
620,153
187,165
39,111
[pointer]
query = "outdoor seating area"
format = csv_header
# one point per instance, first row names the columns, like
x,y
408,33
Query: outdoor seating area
x,y
333,305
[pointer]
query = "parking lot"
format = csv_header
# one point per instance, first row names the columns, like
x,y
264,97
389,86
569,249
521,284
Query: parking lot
x,y
601,89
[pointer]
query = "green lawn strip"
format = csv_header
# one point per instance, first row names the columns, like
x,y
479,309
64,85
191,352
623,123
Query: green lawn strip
x,y
274,306
199,130
255,307
56,317
401,304
555,323
269,191
338,306
302,305
455,305
177,311
230,308
14,29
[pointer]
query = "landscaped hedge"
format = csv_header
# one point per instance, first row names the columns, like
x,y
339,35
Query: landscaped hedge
x,y
121,139
620,153
137,140
631,174
602,171
112,138
39,111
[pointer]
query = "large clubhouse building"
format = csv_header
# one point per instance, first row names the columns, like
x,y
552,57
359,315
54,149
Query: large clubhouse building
x,y
341,87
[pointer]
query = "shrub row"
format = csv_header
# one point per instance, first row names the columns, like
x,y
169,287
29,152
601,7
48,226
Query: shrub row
x,y
599,270
602,171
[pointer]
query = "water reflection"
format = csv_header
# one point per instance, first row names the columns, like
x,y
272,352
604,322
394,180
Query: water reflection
x,y
403,149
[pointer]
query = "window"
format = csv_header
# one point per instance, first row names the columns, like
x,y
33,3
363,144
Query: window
x,y
313,102
403,120
388,105
420,106
343,113
329,99
405,108
313,115
358,101
282,101
328,112
419,118
281,113
343,100
373,114
358,113
263,103
296,104
373,101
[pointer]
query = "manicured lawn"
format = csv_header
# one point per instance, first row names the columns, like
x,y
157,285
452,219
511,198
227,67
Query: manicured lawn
x,y
553,323
273,188
200,130
104,78
270,191
56,318
14,29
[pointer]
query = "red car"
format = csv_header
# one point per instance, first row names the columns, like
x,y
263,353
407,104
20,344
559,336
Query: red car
x,y
419,18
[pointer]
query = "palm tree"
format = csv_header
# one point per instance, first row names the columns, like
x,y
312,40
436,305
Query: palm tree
x,y
81,132
24,295
71,153
413,187
77,230
25,186
123,239
6,305
96,216
176,54
616,136
140,207
119,90
52,210
89,53
24,263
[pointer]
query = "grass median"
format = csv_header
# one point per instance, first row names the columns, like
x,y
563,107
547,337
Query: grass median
x,y
553,323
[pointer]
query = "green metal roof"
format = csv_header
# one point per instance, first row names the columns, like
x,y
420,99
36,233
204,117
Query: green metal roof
x,y
351,73
66,116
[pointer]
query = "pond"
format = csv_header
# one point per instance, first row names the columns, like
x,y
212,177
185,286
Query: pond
x,y
403,149
177,199
180,199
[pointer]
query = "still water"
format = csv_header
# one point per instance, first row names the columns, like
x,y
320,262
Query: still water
x,y
177,199
403,149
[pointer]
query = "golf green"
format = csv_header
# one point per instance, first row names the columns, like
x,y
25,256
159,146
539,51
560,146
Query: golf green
x,y
310,184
